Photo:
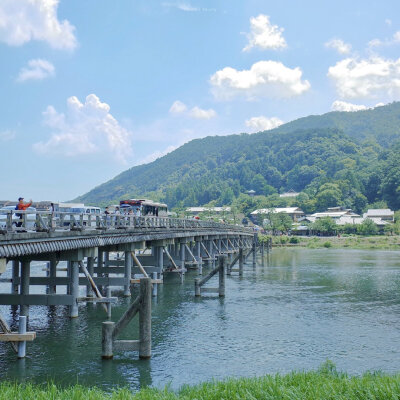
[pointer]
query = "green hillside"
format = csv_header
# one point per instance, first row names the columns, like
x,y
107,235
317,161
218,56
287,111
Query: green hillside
x,y
352,155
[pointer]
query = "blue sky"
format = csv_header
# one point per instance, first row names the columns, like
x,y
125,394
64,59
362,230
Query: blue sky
x,y
89,89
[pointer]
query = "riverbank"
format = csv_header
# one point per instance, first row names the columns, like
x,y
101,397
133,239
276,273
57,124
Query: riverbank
x,y
344,241
323,384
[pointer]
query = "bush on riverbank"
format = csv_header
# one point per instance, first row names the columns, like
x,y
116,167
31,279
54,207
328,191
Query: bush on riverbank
x,y
326,383
344,241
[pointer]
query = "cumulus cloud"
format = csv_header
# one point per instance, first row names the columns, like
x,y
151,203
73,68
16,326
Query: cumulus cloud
x,y
25,20
85,128
178,107
343,106
395,39
371,77
264,35
37,69
349,107
263,123
263,79
340,46
6,136
196,112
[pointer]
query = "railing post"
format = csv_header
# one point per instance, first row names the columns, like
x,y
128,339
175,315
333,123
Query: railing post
x,y
145,319
222,265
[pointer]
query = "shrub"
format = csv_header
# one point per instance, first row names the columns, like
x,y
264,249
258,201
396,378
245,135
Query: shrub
x,y
294,240
327,244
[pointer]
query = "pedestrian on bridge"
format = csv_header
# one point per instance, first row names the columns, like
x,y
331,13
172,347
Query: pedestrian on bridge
x,y
21,206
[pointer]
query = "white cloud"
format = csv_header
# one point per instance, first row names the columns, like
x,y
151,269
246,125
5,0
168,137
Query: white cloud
x,y
6,136
263,79
264,35
178,107
395,39
24,20
343,106
199,113
340,46
84,129
157,154
196,112
187,7
37,69
349,107
263,123
371,77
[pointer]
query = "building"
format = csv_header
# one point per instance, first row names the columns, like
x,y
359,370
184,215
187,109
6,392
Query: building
x,y
251,192
294,212
385,214
208,210
290,193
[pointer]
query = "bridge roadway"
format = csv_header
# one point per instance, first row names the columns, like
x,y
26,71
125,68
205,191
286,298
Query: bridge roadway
x,y
105,251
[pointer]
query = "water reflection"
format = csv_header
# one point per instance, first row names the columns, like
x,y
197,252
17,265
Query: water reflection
x,y
300,308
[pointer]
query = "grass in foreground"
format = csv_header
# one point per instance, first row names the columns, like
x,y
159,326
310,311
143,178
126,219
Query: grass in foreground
x,y
324,384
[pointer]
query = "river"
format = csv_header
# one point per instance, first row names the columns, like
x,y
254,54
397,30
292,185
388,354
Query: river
x,y
295,312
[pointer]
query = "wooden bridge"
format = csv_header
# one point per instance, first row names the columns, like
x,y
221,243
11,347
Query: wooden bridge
x,y
108,251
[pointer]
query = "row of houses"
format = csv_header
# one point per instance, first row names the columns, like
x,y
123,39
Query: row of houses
x,y
340,216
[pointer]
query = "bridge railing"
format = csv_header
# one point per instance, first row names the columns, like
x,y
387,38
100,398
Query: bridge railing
x,y
47,221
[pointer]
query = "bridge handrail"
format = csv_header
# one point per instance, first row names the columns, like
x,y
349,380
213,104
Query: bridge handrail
x,y
47,221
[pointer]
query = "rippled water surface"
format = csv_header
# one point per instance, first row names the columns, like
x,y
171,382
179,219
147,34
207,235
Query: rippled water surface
x,y
299,309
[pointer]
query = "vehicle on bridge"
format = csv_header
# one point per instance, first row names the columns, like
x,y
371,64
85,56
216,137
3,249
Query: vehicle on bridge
x,y
143,207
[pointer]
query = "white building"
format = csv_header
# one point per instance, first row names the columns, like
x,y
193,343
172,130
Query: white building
x,y
294,212
385,214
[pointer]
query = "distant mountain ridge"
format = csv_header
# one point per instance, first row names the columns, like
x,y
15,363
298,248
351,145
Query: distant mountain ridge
x,y
304,152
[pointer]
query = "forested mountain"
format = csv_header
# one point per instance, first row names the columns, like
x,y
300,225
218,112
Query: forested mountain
x,y
337,158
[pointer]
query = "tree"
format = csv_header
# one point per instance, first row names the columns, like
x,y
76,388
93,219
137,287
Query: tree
x,y
278,222
325,225
367,227
329,195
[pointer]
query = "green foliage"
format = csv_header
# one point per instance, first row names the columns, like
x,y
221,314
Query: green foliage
x,y
277,222
325,225
294,240
367,227
348,159
327,244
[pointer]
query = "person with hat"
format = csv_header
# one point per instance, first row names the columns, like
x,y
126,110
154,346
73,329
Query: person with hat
x,y
21,206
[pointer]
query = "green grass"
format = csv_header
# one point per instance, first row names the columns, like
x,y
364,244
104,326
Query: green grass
x,y
324,384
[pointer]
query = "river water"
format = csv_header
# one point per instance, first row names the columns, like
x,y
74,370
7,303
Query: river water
x,y
295,312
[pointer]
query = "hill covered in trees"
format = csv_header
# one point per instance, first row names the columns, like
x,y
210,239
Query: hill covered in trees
x,y
339,158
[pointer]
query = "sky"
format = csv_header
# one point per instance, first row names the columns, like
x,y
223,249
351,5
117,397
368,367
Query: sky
x,y
91,88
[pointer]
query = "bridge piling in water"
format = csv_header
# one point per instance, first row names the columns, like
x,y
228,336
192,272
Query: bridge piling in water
x,y
93,261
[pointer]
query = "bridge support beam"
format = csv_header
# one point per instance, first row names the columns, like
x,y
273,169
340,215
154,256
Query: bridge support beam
x,y
128,273
24,288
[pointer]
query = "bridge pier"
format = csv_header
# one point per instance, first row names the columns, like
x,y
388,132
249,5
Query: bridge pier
x,y
127,273
24,287
189,243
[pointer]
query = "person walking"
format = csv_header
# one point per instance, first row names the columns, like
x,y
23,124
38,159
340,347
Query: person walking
x,y
21,206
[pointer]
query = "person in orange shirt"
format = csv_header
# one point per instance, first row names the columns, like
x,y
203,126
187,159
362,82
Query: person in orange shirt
x,y
21,206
